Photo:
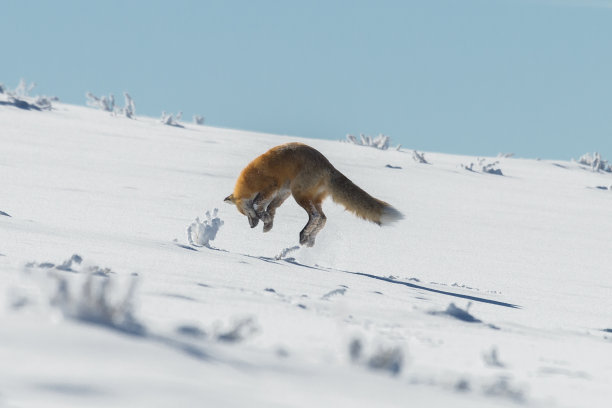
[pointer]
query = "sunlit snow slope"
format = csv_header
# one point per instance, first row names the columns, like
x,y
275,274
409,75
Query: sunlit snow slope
x,y
495,290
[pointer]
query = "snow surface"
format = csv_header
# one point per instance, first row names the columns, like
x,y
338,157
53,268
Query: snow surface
x,y
492,291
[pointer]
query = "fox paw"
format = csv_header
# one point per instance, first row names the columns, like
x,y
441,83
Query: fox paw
x,y
307,240
267,226
268,221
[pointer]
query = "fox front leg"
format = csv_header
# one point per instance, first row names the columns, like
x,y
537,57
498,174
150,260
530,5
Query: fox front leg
x,y
276,202
251,214
261,204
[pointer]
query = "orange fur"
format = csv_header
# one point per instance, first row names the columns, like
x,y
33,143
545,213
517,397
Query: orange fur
x,y
299,170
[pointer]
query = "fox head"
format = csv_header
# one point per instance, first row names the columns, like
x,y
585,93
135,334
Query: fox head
x,y
245,207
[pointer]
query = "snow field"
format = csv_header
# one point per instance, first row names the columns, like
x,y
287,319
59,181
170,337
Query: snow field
x,y
492,291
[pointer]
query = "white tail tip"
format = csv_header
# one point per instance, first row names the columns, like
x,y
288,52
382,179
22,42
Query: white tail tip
x,y
390,215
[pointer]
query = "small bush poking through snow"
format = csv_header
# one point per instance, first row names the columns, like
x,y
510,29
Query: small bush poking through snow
x,y
20,97
103,103
129,110
241,330
107,104
91,296
491,168
201,233
485,167
389,358
502,387
379,142
170,119
491,358
198,119
419,157
457,313
595,162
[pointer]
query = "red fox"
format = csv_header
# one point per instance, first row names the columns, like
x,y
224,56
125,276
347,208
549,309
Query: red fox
x,y
299,170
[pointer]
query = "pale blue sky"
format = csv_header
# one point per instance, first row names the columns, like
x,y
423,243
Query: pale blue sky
x,y
476,77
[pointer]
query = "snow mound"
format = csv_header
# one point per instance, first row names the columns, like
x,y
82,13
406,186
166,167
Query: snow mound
x,y
200,233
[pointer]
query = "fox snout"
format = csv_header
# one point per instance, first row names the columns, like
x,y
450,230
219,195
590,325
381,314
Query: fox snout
x,y
253,221
251,215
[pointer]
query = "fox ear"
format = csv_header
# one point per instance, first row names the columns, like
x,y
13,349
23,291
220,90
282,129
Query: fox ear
x,y
229,199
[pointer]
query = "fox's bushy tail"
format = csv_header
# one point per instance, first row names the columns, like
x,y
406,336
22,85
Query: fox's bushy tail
x,y
363,205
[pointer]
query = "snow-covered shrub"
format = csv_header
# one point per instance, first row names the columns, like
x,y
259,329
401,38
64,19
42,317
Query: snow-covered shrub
x,y
491,168
107,104
129,110
20,97
23,89
595,162
170,119
379,142
491,358
468,167
201,233
241,329
458,313
91,294
44,102
485,167
505,155
94,300
419,157
198,119
385,358
502,387
104,103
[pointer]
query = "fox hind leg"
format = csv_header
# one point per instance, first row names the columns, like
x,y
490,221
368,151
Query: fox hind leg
x,y
316,221
321,220
319,223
